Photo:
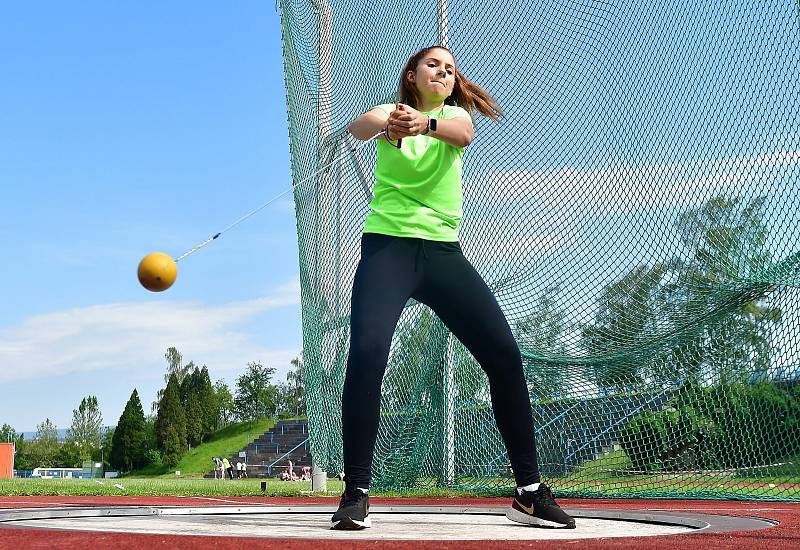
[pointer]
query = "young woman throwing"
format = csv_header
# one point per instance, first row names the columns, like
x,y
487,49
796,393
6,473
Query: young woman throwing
x,y
410,249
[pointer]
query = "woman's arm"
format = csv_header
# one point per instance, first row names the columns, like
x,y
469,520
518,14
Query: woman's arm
x,y
456,131
407,121
368,124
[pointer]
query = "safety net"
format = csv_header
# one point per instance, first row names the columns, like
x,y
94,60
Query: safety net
x,y
635,212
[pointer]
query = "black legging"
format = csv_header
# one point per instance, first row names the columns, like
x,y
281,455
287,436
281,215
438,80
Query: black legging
x,y
391,270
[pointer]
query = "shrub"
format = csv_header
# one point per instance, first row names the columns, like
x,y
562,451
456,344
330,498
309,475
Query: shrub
x,y
726,426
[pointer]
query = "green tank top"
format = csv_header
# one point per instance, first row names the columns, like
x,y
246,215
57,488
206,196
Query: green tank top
x,y
418,187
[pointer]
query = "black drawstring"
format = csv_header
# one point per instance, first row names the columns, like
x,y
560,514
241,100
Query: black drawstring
x,y
424,253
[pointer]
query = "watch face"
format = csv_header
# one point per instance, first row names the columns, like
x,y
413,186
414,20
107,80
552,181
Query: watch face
x,y
433,124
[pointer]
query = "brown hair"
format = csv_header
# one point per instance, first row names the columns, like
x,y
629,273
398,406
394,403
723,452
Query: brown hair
x,y
466,94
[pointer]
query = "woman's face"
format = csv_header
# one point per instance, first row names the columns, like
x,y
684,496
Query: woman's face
x,y
435,75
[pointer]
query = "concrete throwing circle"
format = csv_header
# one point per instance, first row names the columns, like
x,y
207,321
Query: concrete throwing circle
x,y
389,522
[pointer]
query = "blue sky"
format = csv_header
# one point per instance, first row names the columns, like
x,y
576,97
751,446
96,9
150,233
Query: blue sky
x,y
127,128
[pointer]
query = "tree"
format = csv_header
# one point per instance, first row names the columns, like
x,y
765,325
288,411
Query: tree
x,y
223,400
292,393
197,396
128,441
718,323
69,455
25,457
420,338
207,399
543,331
626,316
255,396
86,430
171,423
727,239
174,366
190,398
105,448
22,459
151,437
8,434
46,444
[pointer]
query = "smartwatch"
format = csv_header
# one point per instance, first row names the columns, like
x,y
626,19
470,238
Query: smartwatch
x,y
431,125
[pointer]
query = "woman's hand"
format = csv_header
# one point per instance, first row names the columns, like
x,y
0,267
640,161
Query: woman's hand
x,y
406,121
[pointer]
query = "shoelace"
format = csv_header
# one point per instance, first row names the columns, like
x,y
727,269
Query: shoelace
x,y
544,496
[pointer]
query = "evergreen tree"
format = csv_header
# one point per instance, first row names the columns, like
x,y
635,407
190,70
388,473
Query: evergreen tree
x,y
190,398
171,423
207,399
128,441
173,445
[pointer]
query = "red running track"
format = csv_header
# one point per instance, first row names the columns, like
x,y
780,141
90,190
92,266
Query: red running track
x,y
785,536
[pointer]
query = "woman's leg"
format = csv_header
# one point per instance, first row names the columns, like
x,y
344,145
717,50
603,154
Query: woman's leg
x,y
462,300
385,279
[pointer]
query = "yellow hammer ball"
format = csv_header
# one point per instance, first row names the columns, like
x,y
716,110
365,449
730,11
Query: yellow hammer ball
x,y
157,271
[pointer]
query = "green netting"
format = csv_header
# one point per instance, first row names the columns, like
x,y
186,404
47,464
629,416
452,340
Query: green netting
x,y
636,213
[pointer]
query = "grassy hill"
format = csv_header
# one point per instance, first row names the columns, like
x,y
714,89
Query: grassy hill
x,y
197,462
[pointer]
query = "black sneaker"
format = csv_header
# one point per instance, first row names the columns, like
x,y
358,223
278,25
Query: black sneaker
x,y
538,508
353,512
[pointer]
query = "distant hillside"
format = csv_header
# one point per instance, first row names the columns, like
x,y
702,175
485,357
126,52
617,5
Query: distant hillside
x,y
62,433
225,442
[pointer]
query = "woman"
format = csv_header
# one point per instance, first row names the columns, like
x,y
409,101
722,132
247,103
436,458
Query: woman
x,y
410,250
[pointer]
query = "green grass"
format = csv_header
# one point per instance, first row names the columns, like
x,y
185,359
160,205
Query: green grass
x,y
227,441
640,487
161,487
601,468
627,487
606,477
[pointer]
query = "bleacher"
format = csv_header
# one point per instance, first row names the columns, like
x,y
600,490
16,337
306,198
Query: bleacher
x,y
270,454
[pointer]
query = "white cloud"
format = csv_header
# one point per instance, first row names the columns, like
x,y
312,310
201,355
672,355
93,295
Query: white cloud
x,y
621,188
128,335
495,239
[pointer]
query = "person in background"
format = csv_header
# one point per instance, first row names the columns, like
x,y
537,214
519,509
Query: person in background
x,y
227,467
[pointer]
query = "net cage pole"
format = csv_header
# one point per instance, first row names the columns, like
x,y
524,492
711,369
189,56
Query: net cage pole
x,y
442,23
325,144
448,466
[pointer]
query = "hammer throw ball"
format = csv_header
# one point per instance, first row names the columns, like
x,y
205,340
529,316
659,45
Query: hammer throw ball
x,y
157,271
